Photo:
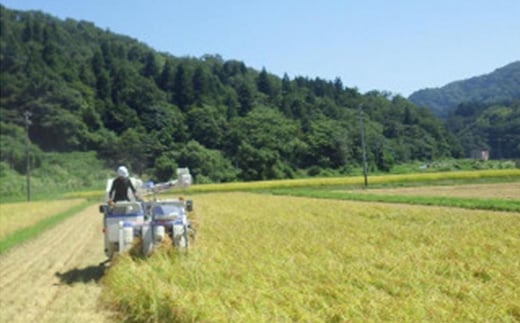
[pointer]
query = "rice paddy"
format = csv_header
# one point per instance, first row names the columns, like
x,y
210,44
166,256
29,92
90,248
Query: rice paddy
x,y
260,257
264,258
16,216
422,178
508,191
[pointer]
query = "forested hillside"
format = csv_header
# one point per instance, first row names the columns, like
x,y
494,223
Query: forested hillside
x,y
88,89
495,127
499,87
482,112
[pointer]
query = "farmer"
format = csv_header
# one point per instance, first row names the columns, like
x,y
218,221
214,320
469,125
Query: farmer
x,y
120,185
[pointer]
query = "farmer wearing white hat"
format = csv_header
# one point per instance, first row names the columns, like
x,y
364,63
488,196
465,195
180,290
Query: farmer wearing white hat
x,y
120,185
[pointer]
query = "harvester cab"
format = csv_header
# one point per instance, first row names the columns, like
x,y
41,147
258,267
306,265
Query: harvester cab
x,y
154,222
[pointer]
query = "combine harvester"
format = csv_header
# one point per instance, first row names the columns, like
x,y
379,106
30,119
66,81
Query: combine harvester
x,y
151,221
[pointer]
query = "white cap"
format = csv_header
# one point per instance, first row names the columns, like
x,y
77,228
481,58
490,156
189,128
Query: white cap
x,y
122,171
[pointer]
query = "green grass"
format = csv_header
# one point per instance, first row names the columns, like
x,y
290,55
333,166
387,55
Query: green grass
x,y
56,174
469,203
27,233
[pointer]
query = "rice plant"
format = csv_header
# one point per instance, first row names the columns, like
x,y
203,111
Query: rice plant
x,y
262,258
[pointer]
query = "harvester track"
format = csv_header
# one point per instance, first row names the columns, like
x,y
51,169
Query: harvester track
x,y
56,276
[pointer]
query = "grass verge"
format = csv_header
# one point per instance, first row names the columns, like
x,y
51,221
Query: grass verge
x,y
27,233
468,203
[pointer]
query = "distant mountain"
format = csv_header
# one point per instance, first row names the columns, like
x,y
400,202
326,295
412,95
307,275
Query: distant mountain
x,y
499,87
482,112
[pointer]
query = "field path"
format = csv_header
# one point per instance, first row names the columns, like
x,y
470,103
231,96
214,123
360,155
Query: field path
x,y
55,277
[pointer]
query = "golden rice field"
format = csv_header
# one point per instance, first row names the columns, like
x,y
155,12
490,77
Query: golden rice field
x,y
508,191
15,216
263,258
334,181
359,180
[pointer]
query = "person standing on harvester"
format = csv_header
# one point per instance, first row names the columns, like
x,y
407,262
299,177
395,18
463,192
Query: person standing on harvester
x,y
120,185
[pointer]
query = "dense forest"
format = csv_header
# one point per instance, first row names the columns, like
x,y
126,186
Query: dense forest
x,y
77,88
494,127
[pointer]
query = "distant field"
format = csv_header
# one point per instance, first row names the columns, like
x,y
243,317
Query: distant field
x,y
391,179
509,191
262,258
16,216
344,181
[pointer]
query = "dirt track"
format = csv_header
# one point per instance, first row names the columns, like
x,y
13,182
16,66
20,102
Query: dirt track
x,y
55,277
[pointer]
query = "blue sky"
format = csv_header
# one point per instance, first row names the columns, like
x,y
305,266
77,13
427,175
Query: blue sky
x,y
399,46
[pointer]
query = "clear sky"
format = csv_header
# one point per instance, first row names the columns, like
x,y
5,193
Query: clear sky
x,y
388,45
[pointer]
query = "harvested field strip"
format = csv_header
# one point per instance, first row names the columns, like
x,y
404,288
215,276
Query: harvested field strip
x,y
263,258
493,174
358,180
15,216
507,191
28,232
55,276
469,203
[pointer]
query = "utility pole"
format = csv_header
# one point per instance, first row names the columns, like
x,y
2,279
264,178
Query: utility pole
x,y
365,172
27,116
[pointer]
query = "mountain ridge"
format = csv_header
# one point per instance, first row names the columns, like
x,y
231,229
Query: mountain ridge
x,y
499,86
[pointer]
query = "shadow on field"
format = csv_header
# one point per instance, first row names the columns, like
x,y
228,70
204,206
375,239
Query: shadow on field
x,y
83,275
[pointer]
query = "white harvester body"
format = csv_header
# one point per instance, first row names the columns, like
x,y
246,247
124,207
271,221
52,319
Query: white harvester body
x,y
151,221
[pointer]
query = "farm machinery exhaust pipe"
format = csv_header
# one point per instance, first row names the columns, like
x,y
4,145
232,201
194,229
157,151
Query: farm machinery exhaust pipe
x,y
150,221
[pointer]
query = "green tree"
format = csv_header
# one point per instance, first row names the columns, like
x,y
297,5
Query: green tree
x,y
151,68
200,85
132,151
207,126
329,142
205,165
166,78
182,88
264,135
165,167
245,98
50,50
263,83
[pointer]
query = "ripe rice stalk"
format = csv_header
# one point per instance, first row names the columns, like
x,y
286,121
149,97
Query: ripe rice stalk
x,y
16,216
358,180
276,258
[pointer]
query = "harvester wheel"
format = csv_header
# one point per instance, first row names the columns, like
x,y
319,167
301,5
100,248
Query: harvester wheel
x,y
147,238
111,247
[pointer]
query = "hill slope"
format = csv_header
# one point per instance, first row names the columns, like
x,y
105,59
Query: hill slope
x,y
500,86
482,112
88,89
